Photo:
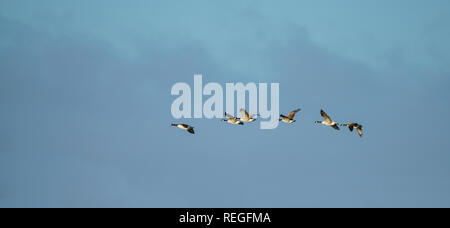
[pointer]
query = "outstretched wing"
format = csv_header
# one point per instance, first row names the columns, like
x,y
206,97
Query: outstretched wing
x,y
359,130
335,126
292,114
191,130
229,116
325,116
244,113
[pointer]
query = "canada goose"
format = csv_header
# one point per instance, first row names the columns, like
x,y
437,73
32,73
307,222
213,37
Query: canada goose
x,y
290,117
232,120
354,125
327,120
246,117
186,127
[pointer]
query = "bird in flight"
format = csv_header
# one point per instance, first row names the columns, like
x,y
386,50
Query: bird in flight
x,y
247,117
186,127
232,120
290,117
327,120
357,126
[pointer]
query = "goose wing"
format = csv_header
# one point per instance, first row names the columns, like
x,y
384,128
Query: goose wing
x,y
244,113
350,126
359,130
191,130
292,114
325,116
229,116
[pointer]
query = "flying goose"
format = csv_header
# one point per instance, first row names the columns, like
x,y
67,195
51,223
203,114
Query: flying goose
x,y
290,117
232,120
186,127
327,120
354,125
246,117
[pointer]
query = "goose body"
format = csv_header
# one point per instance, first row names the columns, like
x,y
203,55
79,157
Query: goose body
x,y
247,117
232,120
290,117
327,120
186,127
357,126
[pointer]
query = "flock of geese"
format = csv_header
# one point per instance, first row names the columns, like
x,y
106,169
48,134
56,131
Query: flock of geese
x,y
287,119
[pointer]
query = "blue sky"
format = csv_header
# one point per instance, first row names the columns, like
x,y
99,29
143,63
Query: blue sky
x,y
85,103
